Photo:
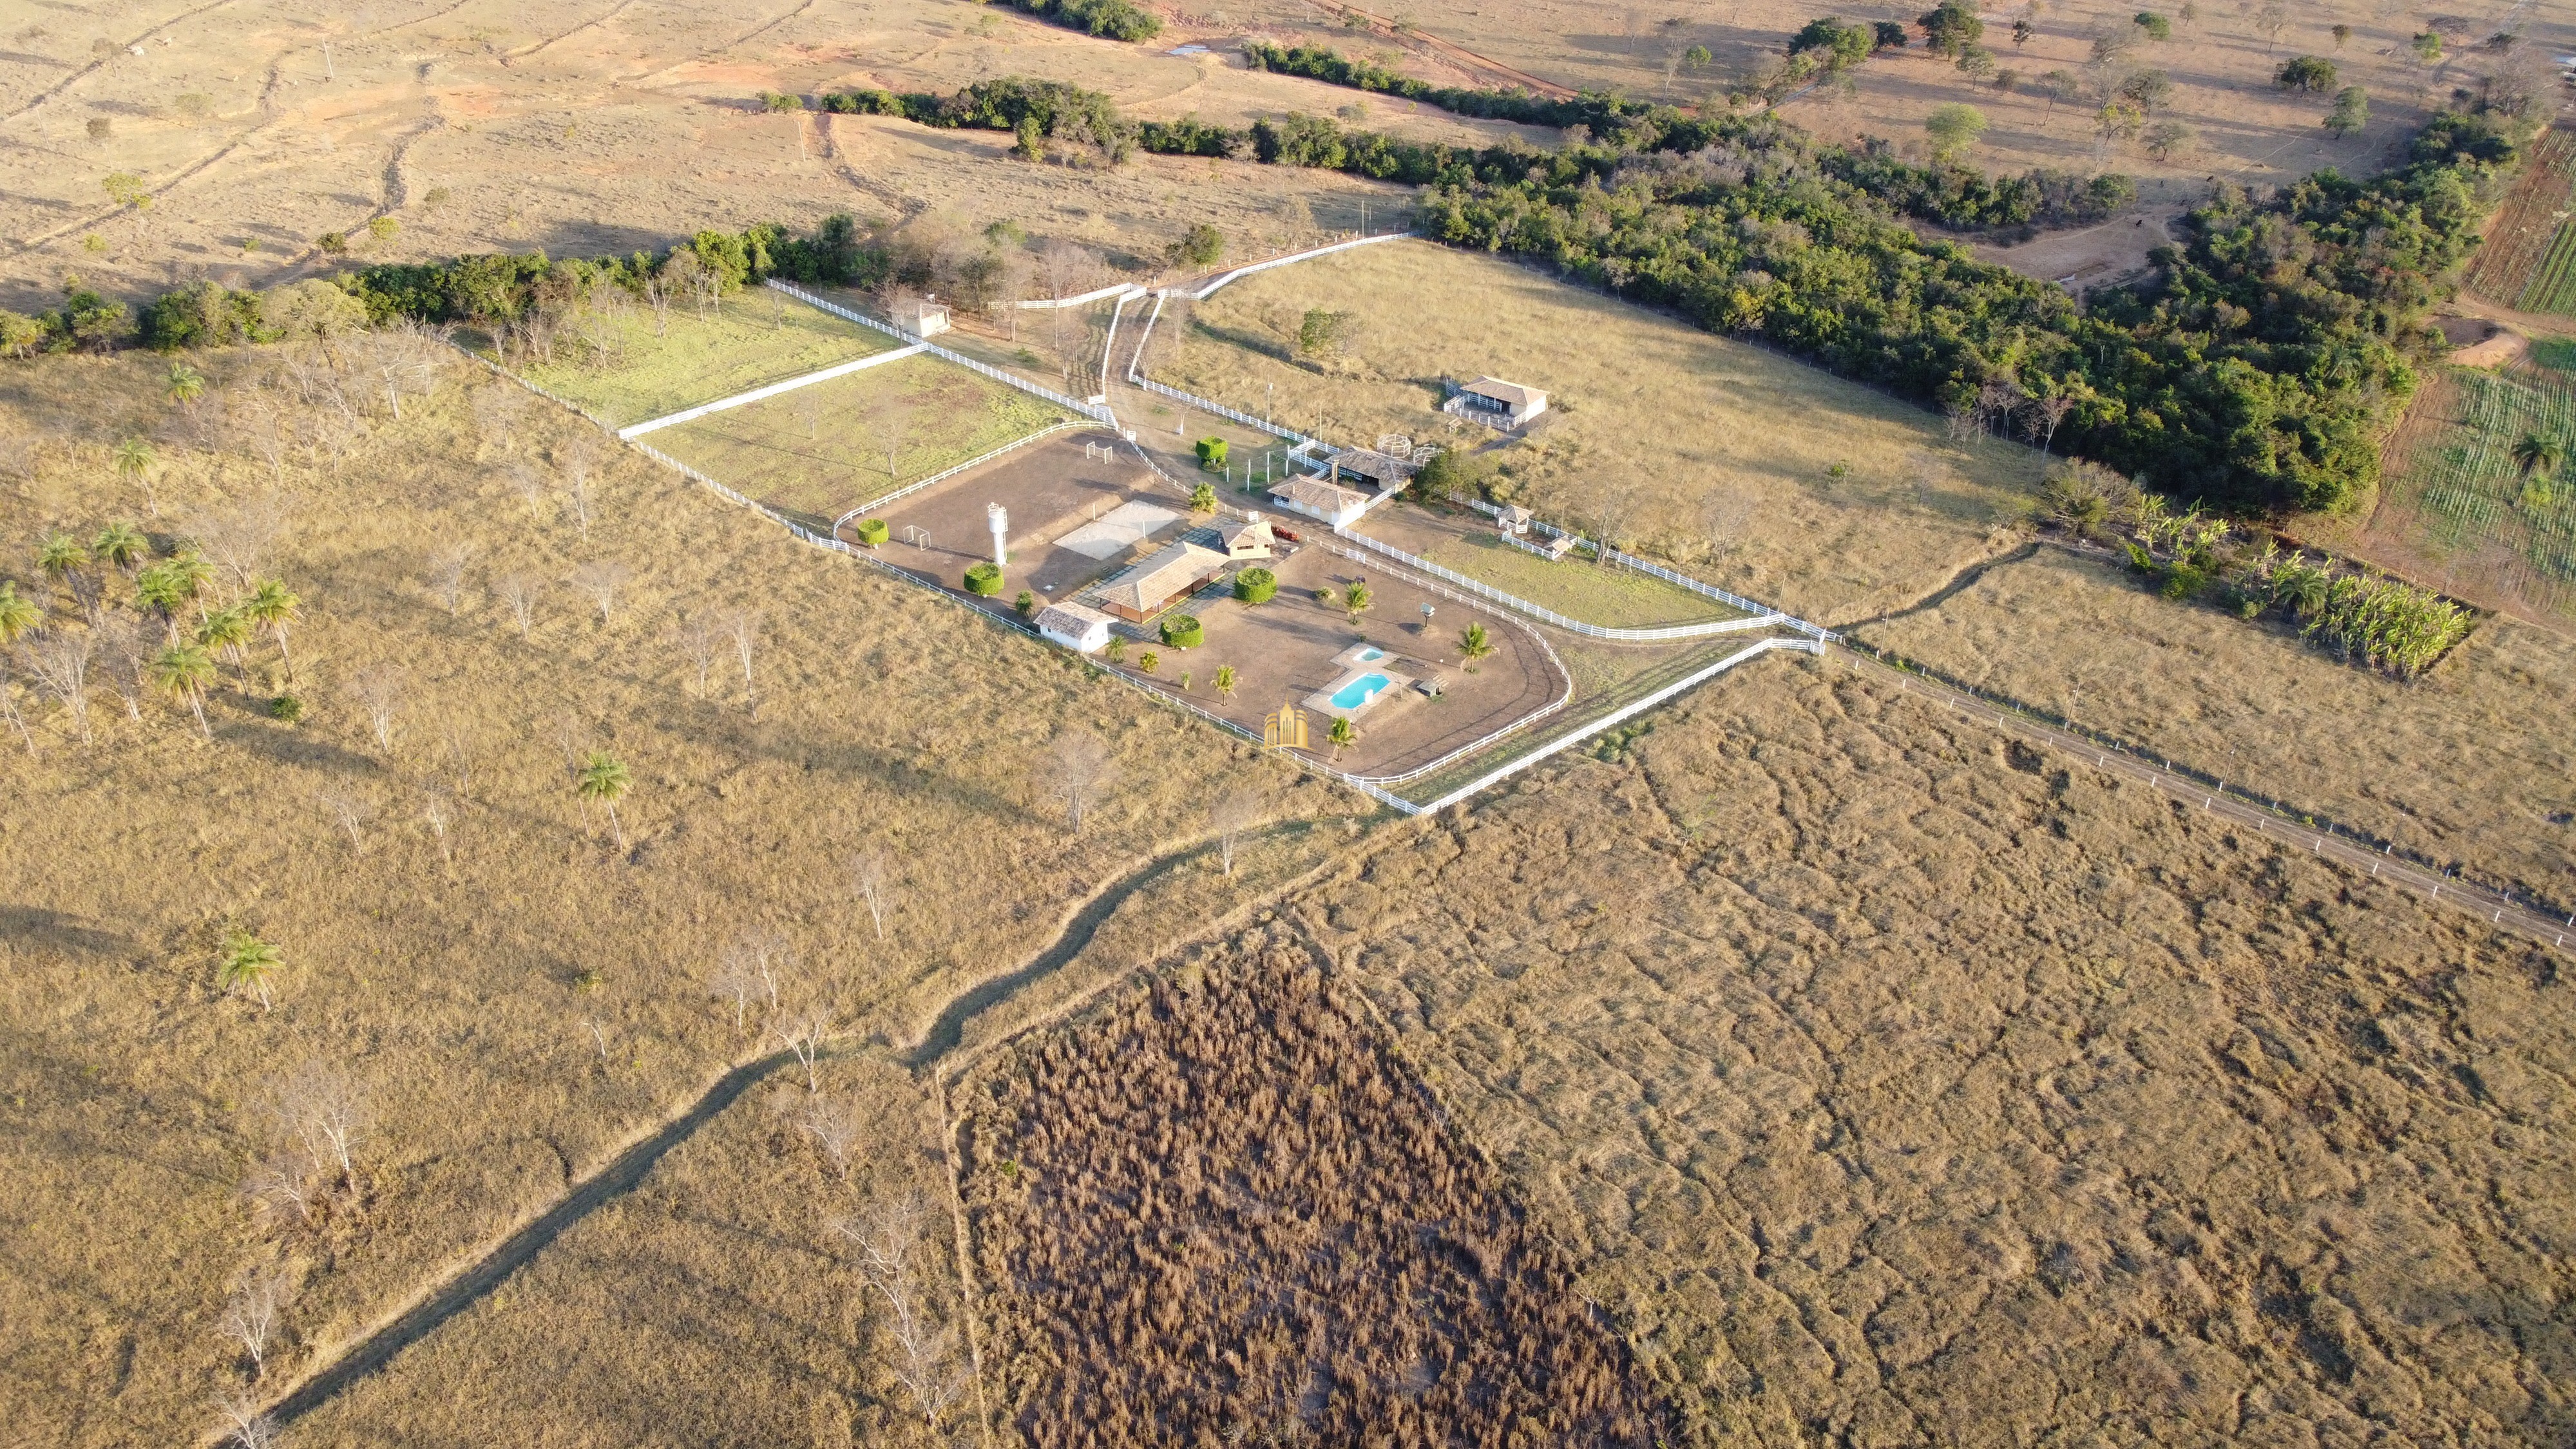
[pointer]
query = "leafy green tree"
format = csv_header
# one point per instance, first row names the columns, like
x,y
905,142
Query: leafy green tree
x,y
1341,735
1952,28
62,558
121,545
1697,57
2156,26
17,616
1954,128
1843,45
1322,333
2166,137
2306,73
1026,603
1474,644
1200,246
604,780
20,337
2351,111
246,963
2539,456
185,671
1356,599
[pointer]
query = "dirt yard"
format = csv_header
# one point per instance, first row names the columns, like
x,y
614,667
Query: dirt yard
x,y
1711,452
1894,1086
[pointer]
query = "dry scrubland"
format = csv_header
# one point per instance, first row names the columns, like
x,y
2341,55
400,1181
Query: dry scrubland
x,y
2470,765
487,125
1708,451
1222,1209
1898,1086
514,1013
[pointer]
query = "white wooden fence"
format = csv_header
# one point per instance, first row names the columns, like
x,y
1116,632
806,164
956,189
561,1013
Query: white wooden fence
x,y
944,474
1089,410
1239,273
1572,626
1631,561
759,394
1115,289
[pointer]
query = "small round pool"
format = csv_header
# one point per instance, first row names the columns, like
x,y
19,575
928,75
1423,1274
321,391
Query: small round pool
x,y
1359,691
1369,654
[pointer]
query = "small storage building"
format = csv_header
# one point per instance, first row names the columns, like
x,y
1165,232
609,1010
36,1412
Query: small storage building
x,y
1249,539
1075,626
1492,400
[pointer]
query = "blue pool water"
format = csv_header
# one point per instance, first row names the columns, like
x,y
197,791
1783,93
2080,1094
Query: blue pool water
x,y
1369,654
1359,691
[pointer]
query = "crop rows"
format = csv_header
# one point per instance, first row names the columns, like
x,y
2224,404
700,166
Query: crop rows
x,y
2553,286
2510,260
2475,494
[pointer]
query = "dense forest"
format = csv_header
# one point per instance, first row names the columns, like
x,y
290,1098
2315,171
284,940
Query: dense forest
x,y
1223,1213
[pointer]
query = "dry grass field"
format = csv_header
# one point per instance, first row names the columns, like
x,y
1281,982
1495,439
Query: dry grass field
x,y
822,450
2470,764
514,994
1896,1086
1708,451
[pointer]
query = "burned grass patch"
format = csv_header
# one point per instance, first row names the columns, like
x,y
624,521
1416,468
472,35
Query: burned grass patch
x,y
1224,1208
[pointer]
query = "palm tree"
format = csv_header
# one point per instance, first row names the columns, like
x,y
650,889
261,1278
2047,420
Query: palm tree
x,y
186,384
17,615
62,558
2537,454
134,464
1355,600
225,631
272,605
1341,735
1225,681
1473,643
185,671
246,963
604,778
120,544
188,574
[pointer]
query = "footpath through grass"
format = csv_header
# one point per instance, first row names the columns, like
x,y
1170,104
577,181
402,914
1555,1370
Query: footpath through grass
x,y
624,368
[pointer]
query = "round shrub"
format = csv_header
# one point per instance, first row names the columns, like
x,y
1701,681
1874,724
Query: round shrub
x,y
872,531
1255,586
1182,631
286,707
984,580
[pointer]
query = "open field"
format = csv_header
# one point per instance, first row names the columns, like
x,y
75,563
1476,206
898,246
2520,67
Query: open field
x,y
1707,451
2456,512
2221,64
822,450
1575,586
635,371
482,125
515,995
2528,252
2471,764
1895,1087
1223,1207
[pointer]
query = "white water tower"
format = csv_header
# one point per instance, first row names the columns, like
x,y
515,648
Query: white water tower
x,y
1000,519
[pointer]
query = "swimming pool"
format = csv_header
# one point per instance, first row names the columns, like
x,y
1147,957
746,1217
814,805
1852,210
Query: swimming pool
x,y
1367,654
1359,691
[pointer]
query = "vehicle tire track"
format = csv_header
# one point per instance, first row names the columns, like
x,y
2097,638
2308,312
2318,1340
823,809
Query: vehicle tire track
x,y
67,82
474,1281
764,29
620,8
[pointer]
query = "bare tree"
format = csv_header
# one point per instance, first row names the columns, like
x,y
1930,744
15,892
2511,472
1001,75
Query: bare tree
x,y
498,406
456,751
447,574
282,1182
436,815
519,593
698,635
834,1127
350,812
379,688
577,462
1077,769
242,537
743,627
60,660
1235,812
9,706
246,1425
120,652
251,1314
738,978
889,1236
529,484
324,1110
2042,418
868,875
601,578
803,1031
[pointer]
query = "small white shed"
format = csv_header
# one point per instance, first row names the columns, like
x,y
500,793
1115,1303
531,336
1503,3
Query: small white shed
x,y
1077,627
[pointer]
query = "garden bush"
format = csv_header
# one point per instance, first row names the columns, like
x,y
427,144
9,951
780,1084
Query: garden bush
x,y
1255,586
1211,452
1182,631
984,580
872,531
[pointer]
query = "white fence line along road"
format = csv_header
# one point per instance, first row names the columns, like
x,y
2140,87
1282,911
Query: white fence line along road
x,y
1665,634
1094,411
757,394
944,474
1631,561
2275,820
1240,273
1128,290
